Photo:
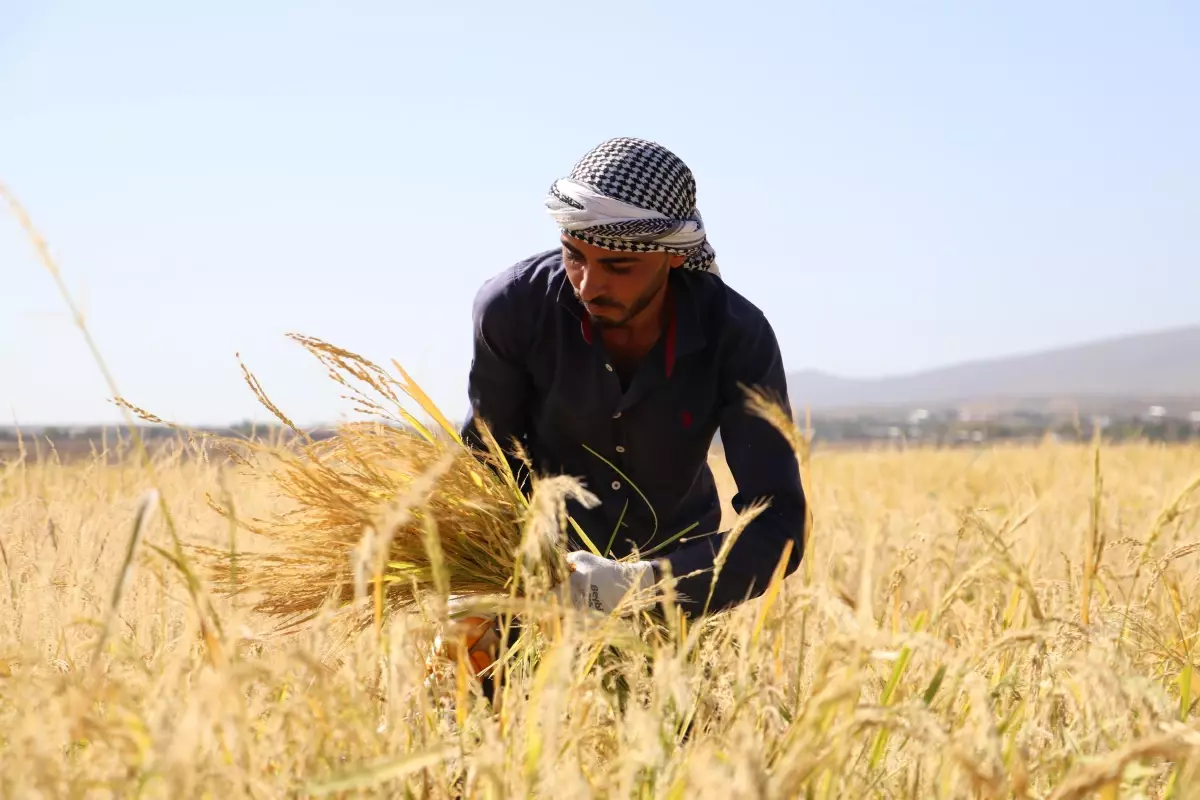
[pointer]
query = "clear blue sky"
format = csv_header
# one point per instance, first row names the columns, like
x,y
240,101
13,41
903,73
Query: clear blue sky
x,y
897,185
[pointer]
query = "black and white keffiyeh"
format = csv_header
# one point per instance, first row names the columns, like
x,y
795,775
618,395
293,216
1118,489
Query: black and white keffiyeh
x,y
633,195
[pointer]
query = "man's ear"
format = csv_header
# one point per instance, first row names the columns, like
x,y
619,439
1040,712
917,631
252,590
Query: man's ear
x,y
676,260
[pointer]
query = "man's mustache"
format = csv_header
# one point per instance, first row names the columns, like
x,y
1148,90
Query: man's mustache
x,y
601,302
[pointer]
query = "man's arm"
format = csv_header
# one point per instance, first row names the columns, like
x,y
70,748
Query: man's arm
x,y
764,467
498,384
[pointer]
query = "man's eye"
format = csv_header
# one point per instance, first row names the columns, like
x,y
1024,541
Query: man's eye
x,y
619,270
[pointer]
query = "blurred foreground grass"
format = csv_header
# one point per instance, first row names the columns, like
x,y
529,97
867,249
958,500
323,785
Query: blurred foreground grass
x,y
969,623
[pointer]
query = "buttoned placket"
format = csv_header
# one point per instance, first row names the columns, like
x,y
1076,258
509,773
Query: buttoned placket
x,y
650,374
612,392
613,389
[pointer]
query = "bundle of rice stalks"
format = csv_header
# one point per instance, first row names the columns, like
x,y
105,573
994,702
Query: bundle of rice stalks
x,y
387,512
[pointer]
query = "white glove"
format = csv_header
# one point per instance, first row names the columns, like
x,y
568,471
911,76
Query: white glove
x,y
600,583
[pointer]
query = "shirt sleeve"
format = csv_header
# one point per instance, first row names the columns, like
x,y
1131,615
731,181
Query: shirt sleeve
x,y
499,387
765,467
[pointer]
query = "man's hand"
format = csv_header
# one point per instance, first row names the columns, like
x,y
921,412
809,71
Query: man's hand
x,y
600,583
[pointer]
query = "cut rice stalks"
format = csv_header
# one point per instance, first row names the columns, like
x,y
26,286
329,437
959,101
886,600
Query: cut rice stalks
x,y
388,512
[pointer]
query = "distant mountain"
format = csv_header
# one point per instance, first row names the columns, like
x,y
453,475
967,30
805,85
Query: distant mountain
x,y
1105,376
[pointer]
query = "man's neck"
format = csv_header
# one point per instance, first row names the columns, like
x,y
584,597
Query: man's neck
x,y
635,338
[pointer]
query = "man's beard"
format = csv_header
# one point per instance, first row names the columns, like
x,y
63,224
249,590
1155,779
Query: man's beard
x,y
638,306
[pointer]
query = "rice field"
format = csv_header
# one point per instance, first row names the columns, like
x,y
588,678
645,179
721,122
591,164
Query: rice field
x,y
992,623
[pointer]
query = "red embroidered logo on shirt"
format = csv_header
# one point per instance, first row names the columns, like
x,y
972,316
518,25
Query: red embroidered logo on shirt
x,y
687,419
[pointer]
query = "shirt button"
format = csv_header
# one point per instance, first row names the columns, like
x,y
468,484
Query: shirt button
x,y
620,449
608,367
616,485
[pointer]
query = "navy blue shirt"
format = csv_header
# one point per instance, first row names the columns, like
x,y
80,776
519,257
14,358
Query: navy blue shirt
x,y
538,374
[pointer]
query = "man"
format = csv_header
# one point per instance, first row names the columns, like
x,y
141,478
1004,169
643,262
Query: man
x,y
615,358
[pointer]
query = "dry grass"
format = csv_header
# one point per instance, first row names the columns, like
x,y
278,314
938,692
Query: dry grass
x,y
954,662
384,517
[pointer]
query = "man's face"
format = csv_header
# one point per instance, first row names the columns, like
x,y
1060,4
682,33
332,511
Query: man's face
x,y
615,286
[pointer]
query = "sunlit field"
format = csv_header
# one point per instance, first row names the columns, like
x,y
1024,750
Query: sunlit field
x,y
1009,622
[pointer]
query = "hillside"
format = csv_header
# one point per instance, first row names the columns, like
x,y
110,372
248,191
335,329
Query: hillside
x,y
1109,375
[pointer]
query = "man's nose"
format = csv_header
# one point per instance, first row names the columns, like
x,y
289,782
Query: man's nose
x,y
591,284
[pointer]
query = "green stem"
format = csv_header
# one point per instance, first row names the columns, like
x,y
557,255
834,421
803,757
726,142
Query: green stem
x,y
616,528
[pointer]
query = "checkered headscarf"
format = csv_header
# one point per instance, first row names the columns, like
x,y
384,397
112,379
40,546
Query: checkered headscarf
x,y
630,194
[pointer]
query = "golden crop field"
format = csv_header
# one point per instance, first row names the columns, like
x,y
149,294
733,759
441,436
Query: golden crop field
x,y
992,623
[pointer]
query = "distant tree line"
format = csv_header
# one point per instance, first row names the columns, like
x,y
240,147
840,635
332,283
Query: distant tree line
x,y
948,429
